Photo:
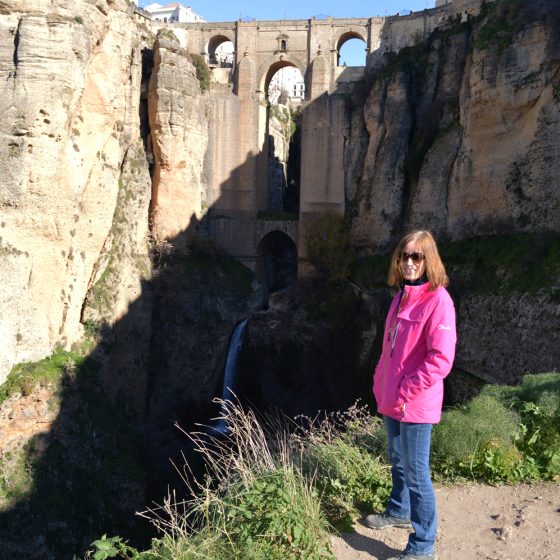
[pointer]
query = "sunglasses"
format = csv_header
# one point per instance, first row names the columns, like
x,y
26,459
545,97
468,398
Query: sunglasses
x,y
414,257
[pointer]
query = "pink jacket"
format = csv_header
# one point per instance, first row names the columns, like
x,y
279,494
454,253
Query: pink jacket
x,y
418,352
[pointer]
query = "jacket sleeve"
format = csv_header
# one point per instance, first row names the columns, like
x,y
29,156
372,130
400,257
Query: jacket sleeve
x,y
441,337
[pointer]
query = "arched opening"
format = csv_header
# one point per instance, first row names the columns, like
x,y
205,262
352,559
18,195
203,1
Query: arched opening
x,y
220,52
285,90
351,50
277,261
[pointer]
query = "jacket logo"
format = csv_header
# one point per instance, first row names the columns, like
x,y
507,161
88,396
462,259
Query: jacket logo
x,y
442,327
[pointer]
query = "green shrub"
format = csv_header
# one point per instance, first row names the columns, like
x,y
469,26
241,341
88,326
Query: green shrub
x,y
166,33
115,547
506,434
501,21
349,480
280,508
477,440
255,502
370,272
504,264
537,401
337,305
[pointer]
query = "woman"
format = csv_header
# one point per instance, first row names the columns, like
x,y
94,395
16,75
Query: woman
x,y
418,352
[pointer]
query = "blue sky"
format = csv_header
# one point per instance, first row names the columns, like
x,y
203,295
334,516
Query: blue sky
x,y
220,10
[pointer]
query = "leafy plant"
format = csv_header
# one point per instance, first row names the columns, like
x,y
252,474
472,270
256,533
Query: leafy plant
x,y
504,264
506,434
476,440
115,547
501,20
537,401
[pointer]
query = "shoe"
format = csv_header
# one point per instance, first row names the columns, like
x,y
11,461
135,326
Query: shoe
x,y
410,556
384,520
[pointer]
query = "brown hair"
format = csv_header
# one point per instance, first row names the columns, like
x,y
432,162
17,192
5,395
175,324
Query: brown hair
x,y
434,269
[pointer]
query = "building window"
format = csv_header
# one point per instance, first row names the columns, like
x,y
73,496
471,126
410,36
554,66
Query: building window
x,y
283,45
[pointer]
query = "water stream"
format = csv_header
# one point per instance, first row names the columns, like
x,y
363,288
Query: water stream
x,y
230,374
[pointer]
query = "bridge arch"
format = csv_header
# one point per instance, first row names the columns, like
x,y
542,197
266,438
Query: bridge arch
x,y
277,260
274,63
216,41
347,36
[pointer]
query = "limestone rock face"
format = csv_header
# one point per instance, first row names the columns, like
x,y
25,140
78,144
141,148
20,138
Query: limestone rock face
x,y
464,140
179,128
70,104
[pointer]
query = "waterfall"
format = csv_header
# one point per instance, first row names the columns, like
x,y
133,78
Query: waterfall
x,y
230,372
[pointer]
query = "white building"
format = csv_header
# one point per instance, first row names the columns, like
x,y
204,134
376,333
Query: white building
x,y
173,12
287,81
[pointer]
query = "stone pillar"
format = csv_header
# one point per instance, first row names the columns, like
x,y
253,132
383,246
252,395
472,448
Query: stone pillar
x,y
232,215
324,133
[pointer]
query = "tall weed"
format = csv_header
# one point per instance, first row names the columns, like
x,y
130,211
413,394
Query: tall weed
x,y
254,502
342,454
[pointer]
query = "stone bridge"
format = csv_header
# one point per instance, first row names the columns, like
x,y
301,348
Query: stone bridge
x,y
238,150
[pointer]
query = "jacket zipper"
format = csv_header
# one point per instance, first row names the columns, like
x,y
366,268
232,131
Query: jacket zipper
x,y
394,336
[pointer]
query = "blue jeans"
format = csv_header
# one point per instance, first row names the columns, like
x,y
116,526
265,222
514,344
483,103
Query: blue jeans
x,y
412,496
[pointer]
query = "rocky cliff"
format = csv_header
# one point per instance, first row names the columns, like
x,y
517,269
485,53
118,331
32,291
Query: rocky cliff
x,y
178,118
72,155
89,145
463,131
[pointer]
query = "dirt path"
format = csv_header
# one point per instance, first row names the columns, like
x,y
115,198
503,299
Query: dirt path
x,y
475,522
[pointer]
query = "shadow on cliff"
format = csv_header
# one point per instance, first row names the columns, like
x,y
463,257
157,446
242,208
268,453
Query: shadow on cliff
x,y
107,454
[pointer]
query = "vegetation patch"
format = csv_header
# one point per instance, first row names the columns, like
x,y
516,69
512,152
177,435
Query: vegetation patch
x,y
498,264
505,435
370,273
166,33
205,267
26,376
273,484
329,246
505,264
344,454
287,119
203,72
501,20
